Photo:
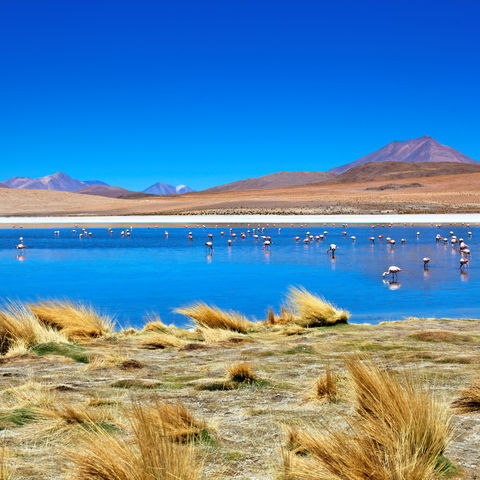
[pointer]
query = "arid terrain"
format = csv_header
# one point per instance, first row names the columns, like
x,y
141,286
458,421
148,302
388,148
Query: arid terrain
x,y
436,194
50,395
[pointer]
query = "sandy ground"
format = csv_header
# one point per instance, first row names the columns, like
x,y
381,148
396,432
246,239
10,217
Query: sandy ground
x,y
246,422
441,194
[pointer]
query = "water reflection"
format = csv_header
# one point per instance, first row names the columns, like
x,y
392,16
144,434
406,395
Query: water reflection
x,y
392,284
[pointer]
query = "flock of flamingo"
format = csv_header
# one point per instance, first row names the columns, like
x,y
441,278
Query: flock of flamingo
x,y
259,233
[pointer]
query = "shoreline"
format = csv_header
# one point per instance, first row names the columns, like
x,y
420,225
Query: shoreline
x,y
239,220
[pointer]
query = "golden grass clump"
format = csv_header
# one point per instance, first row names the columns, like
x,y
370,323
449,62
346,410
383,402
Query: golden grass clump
x,y
178,424
74,414
286,317
21,329
155,325
313,311
241,373
152,456
77,321
468,400
400,433
326,386
215,335
154,341
213,317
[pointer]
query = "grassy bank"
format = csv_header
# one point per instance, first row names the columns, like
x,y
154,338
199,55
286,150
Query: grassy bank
x,y
237,399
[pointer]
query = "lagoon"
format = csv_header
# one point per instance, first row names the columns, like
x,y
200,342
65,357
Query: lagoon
x,y
148,272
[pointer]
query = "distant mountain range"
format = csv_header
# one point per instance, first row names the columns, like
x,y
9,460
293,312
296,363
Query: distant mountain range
x,y
58,181
418,157
166,189
62,182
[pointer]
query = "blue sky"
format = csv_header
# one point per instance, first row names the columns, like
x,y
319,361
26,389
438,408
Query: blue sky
x,y
208,92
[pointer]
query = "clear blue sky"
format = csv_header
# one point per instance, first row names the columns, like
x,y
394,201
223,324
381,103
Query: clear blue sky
x,y
206,92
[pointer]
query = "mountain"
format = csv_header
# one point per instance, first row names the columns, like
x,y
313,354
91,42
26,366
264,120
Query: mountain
x,y
106,191
418,150
58,181
16,182
374,171
95,182
160,188
273,180
183,189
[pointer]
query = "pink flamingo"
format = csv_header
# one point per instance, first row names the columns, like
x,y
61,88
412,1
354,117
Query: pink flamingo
x,y
392,270
463,263
426,261
21,245
332,249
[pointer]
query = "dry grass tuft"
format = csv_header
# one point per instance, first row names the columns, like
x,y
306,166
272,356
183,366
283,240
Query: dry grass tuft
x,y
293,438
313,311
83,415
401,433
177,422
326,386
152,456
217,335
468,400
156,341
241,373
155,324
21,329
286,317
77,321
213,317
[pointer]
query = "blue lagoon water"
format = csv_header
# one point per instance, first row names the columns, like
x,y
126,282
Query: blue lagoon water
x,y
148,272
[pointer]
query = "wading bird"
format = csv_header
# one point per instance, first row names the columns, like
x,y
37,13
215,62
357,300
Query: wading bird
x,y
426,261
21,245
332,249
463,263
393,271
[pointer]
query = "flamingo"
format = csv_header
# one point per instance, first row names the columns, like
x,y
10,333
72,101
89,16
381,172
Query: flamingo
x,y
463,263
209,245
21,245
332,249
392,270
372,239
267,243
426,261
